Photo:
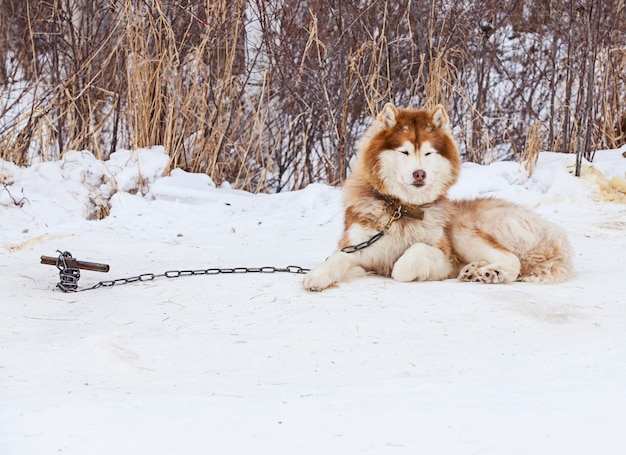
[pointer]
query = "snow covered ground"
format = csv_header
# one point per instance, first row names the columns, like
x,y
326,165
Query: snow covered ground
x,y
254,364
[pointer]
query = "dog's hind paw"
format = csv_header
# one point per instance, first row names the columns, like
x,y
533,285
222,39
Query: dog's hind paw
x,y
482,272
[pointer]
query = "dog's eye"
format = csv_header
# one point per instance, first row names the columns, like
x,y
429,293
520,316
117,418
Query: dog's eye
x,y
428,153
404,152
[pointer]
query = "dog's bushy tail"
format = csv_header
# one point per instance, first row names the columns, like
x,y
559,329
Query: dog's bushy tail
x,y
550,260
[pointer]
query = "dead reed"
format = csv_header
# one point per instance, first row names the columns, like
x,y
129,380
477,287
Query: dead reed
x,y
532,148
272,96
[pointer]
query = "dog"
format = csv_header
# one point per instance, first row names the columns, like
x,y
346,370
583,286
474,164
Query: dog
x,y
405,164
399,222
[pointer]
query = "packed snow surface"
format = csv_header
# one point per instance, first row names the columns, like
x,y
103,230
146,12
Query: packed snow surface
x,y
254,364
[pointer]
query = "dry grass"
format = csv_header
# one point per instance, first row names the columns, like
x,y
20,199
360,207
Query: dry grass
x,y
534,144
273,97
193,100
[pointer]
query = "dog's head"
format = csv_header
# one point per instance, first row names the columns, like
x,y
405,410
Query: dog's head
x,y
409,154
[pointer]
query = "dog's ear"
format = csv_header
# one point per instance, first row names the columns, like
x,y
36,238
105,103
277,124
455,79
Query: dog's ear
x,y
387,117
441,119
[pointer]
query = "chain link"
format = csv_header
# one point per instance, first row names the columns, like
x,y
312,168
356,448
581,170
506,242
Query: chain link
x,y
69,276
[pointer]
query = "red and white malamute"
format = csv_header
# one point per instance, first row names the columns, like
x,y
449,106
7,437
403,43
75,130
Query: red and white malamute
x,y
400,224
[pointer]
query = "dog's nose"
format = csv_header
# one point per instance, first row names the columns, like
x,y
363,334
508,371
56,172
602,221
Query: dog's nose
x,y
419,175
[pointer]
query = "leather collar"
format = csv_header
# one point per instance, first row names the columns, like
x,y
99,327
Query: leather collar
x,y
394,205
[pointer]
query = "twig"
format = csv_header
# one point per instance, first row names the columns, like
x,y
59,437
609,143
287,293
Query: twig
x,y
17,203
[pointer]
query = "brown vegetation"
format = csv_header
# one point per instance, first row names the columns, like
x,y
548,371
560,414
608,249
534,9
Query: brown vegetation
x,y
272,95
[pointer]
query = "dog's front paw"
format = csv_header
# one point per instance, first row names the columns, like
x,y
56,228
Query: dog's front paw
x,y
318,279
482,272
421,262
405,270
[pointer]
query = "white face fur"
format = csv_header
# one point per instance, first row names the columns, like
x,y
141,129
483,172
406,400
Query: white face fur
x,y
402,172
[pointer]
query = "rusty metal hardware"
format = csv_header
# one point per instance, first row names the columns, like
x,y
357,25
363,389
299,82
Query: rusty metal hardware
x,y
75,263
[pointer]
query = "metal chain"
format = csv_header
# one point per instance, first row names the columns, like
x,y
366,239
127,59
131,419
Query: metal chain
x,y
363,245
68,276
68,284
397,214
